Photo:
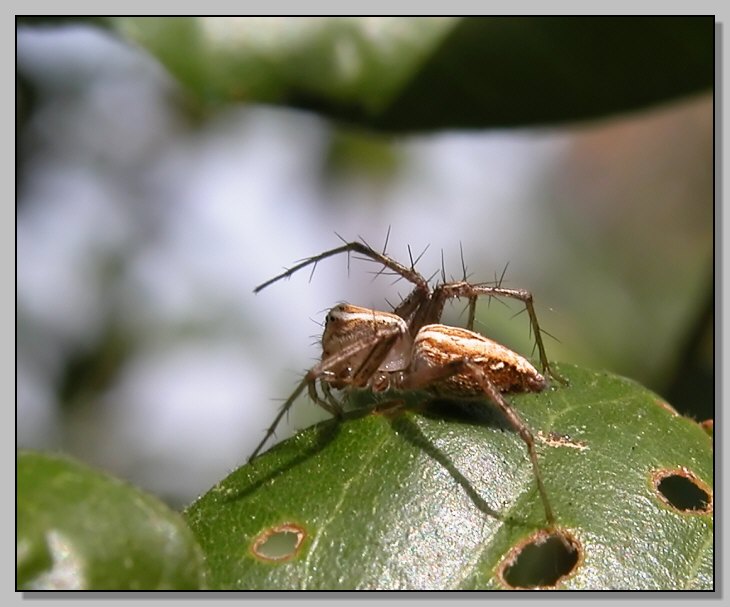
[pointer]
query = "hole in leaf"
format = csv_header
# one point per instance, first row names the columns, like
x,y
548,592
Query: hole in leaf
x,y
279,543
683,491
541,561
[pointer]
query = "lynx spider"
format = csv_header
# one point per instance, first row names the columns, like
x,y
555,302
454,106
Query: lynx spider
x,y
409,349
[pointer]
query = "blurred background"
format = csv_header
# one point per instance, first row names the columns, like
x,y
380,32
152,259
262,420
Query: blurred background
x,y
146,215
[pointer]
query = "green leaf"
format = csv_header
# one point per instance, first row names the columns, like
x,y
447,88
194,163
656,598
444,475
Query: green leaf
x,y
438,497
80,529
423,73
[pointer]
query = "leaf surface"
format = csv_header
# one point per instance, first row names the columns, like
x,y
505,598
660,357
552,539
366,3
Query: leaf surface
x,y
435,496
79,529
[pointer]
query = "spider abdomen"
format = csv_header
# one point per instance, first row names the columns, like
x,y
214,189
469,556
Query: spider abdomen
x,y
440,345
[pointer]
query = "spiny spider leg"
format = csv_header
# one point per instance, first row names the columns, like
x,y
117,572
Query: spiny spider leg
x,y
328,367
430,376
441,293
472,307
358,247
459,363
406,309
330,398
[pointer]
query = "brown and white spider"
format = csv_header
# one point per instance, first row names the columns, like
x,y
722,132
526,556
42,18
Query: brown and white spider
x,y
408,349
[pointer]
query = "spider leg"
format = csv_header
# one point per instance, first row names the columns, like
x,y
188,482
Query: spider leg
x,y
464,289
334,406
409,274
427,376
328,402
380,342
285,407
381,346
472,313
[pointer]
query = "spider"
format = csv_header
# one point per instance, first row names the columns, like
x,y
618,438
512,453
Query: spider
x,y
408,349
